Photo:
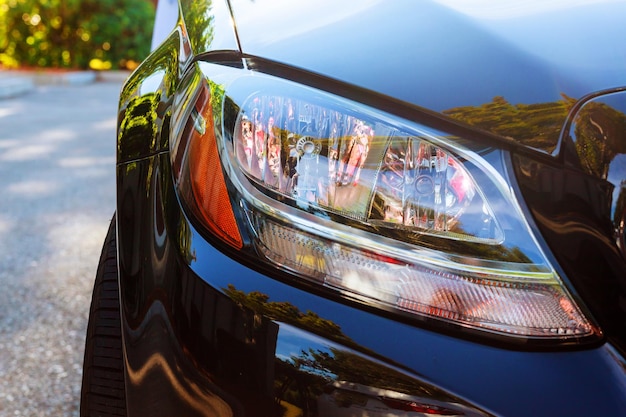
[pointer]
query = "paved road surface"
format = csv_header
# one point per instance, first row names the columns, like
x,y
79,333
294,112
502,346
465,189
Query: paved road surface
x,y
57,158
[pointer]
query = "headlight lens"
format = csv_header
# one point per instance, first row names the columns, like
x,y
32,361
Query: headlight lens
x,y
322,157
378,208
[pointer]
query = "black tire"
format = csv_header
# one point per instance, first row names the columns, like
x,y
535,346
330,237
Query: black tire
x,y
102,392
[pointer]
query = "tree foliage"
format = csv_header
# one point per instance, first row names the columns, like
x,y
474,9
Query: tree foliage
x,y
75,33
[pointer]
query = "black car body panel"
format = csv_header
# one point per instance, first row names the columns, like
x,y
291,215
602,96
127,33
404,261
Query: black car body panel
x,y
578,204
209,331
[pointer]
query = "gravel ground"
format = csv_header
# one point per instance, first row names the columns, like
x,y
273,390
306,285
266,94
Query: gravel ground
x,y
57,191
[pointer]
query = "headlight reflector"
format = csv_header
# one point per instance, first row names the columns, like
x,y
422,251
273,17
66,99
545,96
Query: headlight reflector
x,y
361,169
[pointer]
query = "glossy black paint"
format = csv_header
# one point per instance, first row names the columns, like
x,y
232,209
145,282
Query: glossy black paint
x,y
578,203
191,349
200,335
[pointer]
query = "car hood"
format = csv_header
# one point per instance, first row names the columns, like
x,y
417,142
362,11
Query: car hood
x,y
462,58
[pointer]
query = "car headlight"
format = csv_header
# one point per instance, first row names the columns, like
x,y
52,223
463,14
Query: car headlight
x,y
381,209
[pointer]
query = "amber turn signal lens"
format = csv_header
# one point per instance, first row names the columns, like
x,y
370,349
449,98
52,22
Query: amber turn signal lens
x,y
205,175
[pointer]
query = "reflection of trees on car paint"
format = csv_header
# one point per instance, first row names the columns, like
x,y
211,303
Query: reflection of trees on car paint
x,y
350,366
199,23
600,135
139,124
325,373
288,313
536,125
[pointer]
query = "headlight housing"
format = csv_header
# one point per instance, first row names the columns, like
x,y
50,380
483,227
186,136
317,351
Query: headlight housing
x,y
377,208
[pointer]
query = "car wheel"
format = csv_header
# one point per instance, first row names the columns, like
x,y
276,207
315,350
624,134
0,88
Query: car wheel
x,y
102,391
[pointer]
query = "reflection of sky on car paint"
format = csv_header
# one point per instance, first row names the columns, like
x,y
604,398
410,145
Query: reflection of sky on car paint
x,y
581,25
284,10
293,341
152,83
617,174
516,8
585,37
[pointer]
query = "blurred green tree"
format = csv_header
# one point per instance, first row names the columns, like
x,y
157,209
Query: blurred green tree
x,y
100,34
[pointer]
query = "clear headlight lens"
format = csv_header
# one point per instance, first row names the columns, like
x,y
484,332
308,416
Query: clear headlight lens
x,y
383,210
359,168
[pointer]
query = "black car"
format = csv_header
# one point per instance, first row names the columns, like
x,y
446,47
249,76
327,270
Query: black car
x,y
375,208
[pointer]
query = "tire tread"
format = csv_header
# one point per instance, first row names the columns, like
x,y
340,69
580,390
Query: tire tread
x,y
103,386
